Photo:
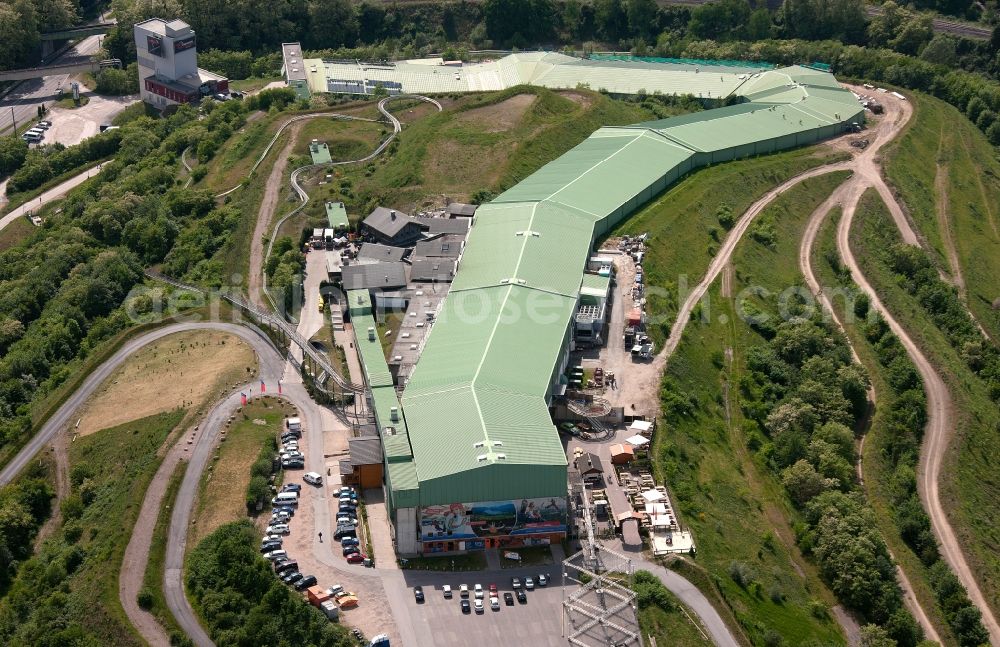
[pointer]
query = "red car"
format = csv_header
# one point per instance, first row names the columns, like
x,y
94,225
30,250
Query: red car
x,y
355,558
493,589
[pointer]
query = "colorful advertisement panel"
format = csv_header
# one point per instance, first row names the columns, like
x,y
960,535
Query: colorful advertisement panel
x,y
493,519
184,44
155,45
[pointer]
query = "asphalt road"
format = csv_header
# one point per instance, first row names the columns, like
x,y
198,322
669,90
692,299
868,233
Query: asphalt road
x,y
54,193
28,95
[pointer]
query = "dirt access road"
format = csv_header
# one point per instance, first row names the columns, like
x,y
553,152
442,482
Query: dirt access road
x,y
849,193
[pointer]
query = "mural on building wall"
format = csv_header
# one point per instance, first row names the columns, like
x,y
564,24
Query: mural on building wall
x,y
493,519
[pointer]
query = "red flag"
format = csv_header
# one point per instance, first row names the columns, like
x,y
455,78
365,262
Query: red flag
x,y
243,398
263,387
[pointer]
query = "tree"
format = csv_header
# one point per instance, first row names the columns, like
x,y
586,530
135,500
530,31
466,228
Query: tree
x,y
13,151
760,24
609,19
332,23
18,32
875,636
940,50
721,20
641,17
804,483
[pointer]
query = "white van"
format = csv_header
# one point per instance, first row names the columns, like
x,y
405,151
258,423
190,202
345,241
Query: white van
x,y
286,498
32,136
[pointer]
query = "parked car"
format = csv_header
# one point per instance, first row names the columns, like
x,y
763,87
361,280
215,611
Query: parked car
x,y
479,606
292,577
508,599
543,579
32,136
349,541
494,603
446,590
479,591
529,584
465,607
347,488
278,529
305,583
293,464
284,508
312,478
291,487
221,96
350,550
269,546
521,596
463,590
236,94
345,531
515,582
418,594
276,555
45,123
346,519
356,558
286,565
493,589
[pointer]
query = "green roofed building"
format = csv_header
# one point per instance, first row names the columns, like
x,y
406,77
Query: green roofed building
x,y
473,459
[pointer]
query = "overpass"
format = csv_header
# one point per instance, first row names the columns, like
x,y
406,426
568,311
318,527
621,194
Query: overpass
x,y
71,33
67,65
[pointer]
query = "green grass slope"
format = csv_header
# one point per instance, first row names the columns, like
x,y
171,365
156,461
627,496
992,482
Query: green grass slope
x,y
959,208
970,488
68,592
735,506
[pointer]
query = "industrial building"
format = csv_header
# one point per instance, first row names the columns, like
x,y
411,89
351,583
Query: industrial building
x,y
167,56
472,458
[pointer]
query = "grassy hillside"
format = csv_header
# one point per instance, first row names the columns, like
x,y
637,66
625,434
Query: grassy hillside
x,y
948,176
689,221
68,592
876,459
483,142
969,485
735,506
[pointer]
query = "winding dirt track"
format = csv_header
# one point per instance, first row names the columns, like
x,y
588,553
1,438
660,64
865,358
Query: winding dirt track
x,y
936,436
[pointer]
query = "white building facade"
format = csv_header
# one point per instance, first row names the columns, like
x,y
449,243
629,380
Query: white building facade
x,y
168,64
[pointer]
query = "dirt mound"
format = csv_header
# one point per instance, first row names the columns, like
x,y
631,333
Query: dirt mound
x,y
499,117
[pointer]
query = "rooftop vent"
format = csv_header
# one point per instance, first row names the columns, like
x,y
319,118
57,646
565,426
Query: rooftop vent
x,y
397,358
501,457
371,333
389,431
479,444
392,214
394,414
498,443
481,458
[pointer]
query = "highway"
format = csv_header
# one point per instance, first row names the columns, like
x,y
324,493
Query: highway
x,y
28,95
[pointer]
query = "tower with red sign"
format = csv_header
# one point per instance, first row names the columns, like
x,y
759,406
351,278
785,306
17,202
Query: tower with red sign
x,y
167,55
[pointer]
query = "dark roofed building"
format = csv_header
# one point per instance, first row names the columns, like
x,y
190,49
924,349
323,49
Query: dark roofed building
x,y
374,276
589,466
376,252
443,246
460,209
436,226
433,269
366,461
391,227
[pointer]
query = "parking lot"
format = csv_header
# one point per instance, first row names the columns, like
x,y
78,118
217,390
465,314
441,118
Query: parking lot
x,y
440,622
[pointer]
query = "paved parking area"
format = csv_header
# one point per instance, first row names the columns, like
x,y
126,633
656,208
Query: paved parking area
x,y
440,622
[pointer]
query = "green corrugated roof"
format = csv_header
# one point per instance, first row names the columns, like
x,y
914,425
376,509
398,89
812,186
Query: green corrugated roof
x,y
476,406
595,285
372,356
336,214
359,302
